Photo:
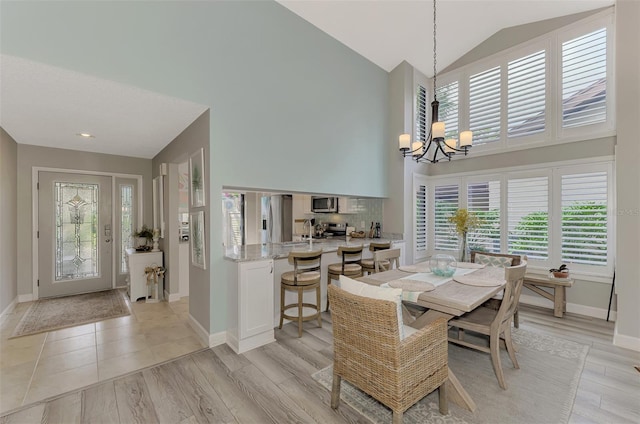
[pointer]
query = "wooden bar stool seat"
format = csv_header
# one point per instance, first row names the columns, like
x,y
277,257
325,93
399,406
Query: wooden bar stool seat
x,y
368,265
349,267
305,276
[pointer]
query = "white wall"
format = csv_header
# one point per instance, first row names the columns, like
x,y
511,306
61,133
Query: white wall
x,y
628,173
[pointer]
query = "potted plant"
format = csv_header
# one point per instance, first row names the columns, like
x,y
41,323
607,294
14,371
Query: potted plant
x,y
142,238
464,221
562,272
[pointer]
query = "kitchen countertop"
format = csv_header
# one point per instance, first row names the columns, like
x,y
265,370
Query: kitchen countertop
x,y
257,252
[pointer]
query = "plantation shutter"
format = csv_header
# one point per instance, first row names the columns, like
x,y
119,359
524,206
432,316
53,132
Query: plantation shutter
x,y
526,89
584,218
422,132
421,219
445,205
484,106
483,199
528,217
584,79
447,95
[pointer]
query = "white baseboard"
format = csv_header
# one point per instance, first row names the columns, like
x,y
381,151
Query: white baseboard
x,y
210,340
574,308
171,297
25,298
10,307
626,342
248,343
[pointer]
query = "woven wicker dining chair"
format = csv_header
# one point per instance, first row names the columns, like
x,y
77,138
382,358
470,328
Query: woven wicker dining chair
x,y
369,354
494,323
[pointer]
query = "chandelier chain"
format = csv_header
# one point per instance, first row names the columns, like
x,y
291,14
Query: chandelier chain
x,y
434,49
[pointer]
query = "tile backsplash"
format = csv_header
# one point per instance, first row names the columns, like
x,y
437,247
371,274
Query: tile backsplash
x,y
366,211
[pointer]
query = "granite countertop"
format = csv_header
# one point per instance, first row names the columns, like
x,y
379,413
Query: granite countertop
x,y
257,252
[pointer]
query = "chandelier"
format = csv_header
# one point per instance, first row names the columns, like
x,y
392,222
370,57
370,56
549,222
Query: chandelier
x,y
435,144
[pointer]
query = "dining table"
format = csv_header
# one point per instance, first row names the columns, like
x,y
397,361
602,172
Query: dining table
x,y
445,297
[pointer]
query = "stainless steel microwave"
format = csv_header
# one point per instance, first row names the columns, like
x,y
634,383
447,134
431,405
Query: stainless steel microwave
x,y
324,204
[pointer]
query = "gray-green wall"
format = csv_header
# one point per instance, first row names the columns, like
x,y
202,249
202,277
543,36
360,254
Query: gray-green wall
x,y
44,157
292,109
8,219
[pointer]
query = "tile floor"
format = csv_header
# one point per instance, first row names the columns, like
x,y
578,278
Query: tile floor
x,y
42,365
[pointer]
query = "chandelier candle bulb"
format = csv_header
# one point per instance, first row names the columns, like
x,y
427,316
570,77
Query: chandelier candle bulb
x,y
405,141
437,129
466,138
450,145
416,148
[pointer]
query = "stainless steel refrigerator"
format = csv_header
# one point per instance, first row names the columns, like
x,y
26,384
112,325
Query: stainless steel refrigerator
x,y
277,218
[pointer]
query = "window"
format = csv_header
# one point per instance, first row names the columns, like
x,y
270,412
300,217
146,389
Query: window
x,y
421,220
422,132
445,205
233,218
553,215
526,95
483,199
126,224
555,88
528,222
584,79
447,95
484,106
584,218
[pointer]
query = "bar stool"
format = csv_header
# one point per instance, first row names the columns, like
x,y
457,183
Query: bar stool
x,y
367,264
305,276
350,265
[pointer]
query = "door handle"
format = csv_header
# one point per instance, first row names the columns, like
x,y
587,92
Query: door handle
x,y
107,240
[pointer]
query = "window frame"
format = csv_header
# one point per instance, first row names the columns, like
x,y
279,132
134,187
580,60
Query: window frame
x,y
553,134
554,173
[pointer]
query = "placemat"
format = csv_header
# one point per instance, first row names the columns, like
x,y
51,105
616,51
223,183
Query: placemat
x,y
412,285
415,268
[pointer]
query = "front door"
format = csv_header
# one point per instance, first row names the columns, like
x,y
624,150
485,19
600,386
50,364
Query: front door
x,y
75,234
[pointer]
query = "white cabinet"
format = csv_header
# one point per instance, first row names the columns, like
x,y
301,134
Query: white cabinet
x,y
347,205
301,205
251,305
137,280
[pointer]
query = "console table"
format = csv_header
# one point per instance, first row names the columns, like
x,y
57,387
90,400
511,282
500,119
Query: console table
x,y
559,286
137,287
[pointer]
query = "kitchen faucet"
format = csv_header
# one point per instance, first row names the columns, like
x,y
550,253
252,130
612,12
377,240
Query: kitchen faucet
x,y
304,225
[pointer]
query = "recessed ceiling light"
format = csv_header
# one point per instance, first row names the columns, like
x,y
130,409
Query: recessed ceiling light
x,y
85,135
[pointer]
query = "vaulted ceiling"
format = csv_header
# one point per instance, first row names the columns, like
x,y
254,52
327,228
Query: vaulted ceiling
x,y
48,106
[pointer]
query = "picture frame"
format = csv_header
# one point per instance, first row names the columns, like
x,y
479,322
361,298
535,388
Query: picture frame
x,y
197,239
197,179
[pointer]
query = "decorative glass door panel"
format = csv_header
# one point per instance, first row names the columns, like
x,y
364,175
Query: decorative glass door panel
x,y
76,236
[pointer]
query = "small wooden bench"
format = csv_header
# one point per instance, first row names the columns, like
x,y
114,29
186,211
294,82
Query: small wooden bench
x,y
559,286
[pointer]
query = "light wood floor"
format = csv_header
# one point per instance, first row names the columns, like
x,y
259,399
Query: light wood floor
x,y
273,383
47,364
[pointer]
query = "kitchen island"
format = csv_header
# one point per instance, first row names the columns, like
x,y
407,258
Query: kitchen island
x,y
254,306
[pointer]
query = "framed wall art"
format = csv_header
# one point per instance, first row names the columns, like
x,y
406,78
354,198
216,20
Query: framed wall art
x,y
198,242
197,178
